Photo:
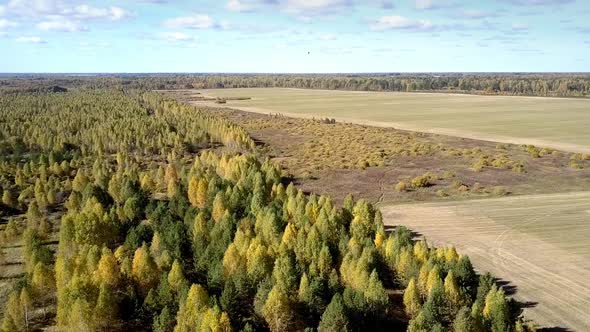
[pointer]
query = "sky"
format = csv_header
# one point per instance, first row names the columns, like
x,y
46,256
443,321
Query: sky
x,y
294,36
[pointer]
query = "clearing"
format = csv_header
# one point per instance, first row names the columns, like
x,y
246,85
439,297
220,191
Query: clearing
x,y
536,243
559,123
368,161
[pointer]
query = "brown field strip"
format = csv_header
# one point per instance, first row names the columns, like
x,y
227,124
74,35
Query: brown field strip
x,y
536,243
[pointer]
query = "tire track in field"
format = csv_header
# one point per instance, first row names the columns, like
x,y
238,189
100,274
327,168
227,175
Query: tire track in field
x,y
543,270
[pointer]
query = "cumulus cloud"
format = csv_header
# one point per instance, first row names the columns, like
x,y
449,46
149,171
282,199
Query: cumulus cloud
x,y
316,7
433,4
520,27
249,5
176,36
60,25
31,40
85,12
191,22
43,9
5,24
401,23
474,14
328,36
305,9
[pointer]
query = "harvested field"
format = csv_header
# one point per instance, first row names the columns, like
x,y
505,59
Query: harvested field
x,y
369,162
559,123
538,244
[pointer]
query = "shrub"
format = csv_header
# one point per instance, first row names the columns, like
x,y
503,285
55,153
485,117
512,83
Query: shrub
x,y
476,187
575,164
533,151
441,193
401,186
518,167
456,184
479,165
500,191
421,181
449,175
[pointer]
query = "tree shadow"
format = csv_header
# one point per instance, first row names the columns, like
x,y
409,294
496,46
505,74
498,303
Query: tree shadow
x,y
391,229
554,329
506,285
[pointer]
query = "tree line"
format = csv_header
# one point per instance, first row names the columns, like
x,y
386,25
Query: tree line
x,y
529,84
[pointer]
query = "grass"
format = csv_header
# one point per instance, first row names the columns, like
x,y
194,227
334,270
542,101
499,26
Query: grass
x,y
549,122
537,242
369,161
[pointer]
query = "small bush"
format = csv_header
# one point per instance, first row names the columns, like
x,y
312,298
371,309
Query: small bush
x,y
441,193
456,184
533,151
401,186
518,167
449,175
421,181
479,165
476,187
574,164
500,191
501,146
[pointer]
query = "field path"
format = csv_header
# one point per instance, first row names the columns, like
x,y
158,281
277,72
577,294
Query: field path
x,y
537,243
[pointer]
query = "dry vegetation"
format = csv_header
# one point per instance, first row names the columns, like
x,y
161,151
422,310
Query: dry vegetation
x,y
560,123
390,165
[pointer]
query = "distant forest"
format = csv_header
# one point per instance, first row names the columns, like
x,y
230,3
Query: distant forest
x,y
525,84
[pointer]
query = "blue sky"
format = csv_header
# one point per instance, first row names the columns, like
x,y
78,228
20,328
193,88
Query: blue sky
x,y
276,35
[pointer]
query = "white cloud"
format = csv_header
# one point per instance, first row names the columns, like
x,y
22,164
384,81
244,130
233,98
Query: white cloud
x,y
242,5
34,7
63,8
61,25
520,27
474,14
401,23
176,36
2,10
316,7
190,22
31,40
298,7
5,24
85,12
433,4
328,36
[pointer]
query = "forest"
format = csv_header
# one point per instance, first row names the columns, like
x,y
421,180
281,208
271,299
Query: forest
x,y
132,211
521,84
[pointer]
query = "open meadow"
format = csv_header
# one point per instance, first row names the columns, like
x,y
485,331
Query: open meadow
x,y
536,243
559,123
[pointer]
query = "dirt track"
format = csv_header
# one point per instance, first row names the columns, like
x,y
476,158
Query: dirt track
x,y
541,249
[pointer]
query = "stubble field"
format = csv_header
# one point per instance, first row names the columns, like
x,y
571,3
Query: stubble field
x,y
538,244
559,123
